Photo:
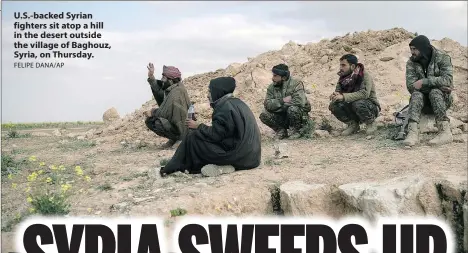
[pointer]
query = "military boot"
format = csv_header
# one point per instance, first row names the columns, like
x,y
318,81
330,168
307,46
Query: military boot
x,y
413,134
281,134
371,127
295,134
444,136
352,128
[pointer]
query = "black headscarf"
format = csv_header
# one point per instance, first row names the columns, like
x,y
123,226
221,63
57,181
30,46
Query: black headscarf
x,y
221,86
424,47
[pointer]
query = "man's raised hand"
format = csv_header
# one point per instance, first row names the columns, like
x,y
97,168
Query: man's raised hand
x,y
150,69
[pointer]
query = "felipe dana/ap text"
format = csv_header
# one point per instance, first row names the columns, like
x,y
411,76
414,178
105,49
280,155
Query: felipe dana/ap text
x,y
38,65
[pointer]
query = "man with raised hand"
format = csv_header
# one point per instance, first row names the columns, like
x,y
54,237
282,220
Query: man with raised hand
x,y
168,120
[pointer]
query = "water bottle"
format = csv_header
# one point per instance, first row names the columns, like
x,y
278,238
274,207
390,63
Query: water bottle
x,y
191,112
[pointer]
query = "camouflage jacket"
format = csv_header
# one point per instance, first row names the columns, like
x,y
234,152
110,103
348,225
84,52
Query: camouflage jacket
x,y
439,72
366,92
292,87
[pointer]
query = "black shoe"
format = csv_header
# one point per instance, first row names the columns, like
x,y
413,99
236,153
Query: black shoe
x,y
161,172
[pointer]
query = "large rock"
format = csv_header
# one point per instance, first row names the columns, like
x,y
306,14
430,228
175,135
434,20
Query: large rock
x,y
452,188
413,195
110,115
300,199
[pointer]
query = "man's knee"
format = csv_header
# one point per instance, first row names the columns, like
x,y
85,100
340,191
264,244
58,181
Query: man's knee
x,y
265,117
149,122
439,103
417,96
436,93
293,110
268,118
334,107
360,105
366,110
157,127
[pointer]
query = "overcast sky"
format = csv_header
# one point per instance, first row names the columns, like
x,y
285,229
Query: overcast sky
x,y
197,37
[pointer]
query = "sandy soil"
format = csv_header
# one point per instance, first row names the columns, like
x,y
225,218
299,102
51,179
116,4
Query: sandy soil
x,y
137,192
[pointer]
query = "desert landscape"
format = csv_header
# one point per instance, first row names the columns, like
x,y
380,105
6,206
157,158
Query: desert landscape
x,y
112,168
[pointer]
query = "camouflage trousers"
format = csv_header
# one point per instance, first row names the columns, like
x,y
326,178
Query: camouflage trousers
x,y
293,118
436,102
361,111
155,125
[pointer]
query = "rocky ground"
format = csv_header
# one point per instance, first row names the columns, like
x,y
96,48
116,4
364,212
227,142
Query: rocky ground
x,y
321,176
325,175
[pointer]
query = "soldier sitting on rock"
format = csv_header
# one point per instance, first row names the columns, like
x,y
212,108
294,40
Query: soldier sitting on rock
x,y
354,100
286,105
232,142
172,98
429,79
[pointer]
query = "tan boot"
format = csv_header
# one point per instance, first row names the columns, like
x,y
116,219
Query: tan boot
x,y
371,127
281,134
352,128
444,136
413,134
295,134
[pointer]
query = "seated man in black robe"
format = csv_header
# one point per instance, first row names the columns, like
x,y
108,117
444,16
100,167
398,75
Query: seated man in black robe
x,y
232,141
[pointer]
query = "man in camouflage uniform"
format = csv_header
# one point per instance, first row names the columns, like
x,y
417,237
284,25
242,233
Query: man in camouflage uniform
x,y
429,79
286,105
168,120
354,100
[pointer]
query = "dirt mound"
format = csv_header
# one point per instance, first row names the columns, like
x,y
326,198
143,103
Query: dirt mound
x,y
384,53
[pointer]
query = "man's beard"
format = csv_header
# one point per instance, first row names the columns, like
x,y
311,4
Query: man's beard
x,y
279,82
343,74
416,58
166,84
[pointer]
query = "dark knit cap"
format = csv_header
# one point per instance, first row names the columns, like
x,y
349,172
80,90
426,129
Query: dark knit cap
x,y
423,45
